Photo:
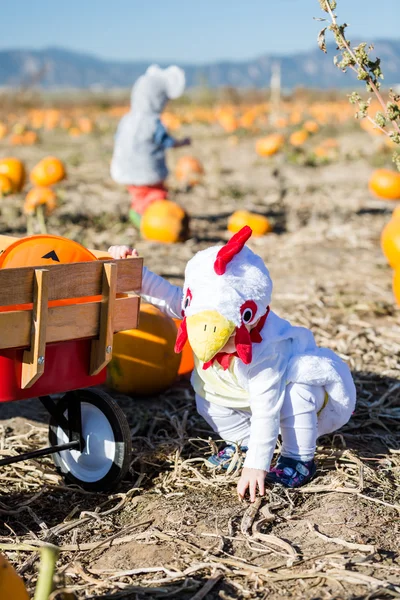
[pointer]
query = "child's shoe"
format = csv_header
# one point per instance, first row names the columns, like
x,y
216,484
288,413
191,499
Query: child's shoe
x,y
291,473
223,460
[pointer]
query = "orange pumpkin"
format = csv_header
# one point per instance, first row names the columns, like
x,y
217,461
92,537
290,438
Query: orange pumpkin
x,y
396,285
144,361
37,250
164,221
48,171
30,138
85,124
38,196
390,242
258,223
228,122
298,138
385,184
6,186
3,130
269,145
189,170
311,126
74,132
15,171
11,585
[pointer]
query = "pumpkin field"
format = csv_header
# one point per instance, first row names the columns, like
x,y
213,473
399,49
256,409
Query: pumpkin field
x,y
322,195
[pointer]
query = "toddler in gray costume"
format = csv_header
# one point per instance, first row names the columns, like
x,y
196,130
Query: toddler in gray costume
x,y
141,139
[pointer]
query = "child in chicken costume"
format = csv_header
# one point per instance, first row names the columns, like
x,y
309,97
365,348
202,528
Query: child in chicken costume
x,y
255,374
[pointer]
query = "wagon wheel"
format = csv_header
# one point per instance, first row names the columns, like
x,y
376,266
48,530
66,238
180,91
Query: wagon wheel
x,y
106,455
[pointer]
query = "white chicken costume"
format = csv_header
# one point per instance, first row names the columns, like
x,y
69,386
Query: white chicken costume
x,y
275,379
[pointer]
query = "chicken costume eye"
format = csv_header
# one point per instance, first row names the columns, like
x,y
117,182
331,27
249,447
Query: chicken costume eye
x,y
187,300
248,311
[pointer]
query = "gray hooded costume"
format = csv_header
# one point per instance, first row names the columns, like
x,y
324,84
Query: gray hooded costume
x,y
138,159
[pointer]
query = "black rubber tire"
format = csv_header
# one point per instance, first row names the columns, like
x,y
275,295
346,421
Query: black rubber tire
x,y
122,436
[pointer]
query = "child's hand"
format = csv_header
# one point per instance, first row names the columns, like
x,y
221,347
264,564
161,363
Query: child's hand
x,y
251,479
122,251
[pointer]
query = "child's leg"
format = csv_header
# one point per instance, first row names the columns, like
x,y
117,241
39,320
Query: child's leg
x,y
299,420
299,430
233,426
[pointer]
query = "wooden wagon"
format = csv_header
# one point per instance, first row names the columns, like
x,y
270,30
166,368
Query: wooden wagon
x,y
57,321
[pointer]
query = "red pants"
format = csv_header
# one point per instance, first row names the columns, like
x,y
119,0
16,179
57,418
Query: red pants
x,y
144,195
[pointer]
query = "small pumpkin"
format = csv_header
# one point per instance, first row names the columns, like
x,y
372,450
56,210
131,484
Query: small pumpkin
x,y
144,361
385,183
48,171
164,221
39,196
311,126
6,186
11,585
189,170
3,130
299,137
390,242
228,122
14,169
258,223
269,145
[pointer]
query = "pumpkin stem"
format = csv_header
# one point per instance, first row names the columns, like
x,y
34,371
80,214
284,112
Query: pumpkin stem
x,y
48,559
41,219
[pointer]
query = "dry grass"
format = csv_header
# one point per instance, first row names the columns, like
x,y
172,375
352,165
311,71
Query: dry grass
x,y
175,529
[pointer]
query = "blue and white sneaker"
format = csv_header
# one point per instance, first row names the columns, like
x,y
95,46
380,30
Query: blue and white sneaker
x,y
291,473
223,460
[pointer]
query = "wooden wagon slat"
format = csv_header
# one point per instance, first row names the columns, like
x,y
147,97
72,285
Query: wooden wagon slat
x,y
74,321
71,280
101,350
33,359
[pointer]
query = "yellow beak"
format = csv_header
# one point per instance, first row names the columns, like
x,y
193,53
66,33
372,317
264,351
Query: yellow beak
x,y
208,332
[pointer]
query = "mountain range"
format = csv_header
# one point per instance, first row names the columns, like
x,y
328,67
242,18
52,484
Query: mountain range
x,y
61,68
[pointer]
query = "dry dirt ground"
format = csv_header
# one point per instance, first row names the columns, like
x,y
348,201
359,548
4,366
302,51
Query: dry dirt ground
x,y
173,529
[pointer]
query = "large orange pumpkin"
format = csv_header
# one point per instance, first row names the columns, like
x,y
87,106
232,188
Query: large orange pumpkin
x,y
164,221
37,250
269,145
6,186
258,223
15,171
39,196
396,285
144,361
390,242
48,171
189,170
385,184
11,585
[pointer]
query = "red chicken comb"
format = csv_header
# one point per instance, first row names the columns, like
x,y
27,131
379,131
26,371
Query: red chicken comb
x,y
231,248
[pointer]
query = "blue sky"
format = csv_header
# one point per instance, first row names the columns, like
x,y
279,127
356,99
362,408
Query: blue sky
x,y
185,30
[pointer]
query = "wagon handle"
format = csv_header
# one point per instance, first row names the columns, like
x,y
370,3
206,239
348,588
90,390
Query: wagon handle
x,y
101,350
34,358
